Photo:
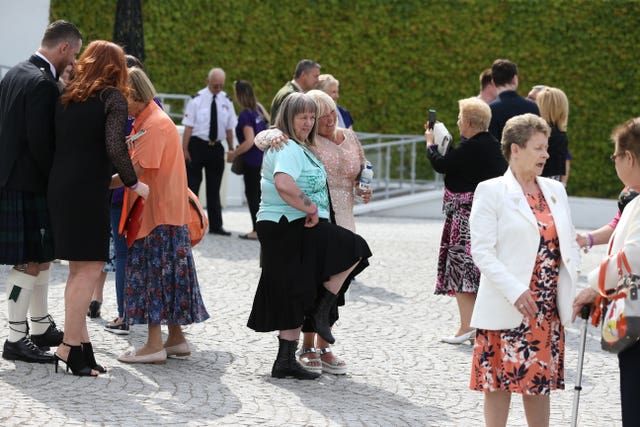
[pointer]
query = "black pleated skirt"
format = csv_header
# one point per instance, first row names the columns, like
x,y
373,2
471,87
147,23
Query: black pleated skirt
x,y
296,261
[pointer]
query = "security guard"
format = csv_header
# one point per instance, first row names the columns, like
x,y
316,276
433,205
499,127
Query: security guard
x,y
208,120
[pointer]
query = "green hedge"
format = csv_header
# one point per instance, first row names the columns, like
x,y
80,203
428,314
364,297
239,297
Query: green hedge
x,y
396,58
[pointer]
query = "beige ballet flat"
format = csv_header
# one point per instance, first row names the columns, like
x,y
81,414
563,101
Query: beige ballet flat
x,y
179,350
158,358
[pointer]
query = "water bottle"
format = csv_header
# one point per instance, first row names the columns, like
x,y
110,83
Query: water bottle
x,y
366,176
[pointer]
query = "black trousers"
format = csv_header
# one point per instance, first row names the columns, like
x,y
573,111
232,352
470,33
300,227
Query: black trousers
x,y
629,363
252,191
211,158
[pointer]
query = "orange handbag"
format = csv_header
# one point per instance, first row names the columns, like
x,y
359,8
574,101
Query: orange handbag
x,y
131,218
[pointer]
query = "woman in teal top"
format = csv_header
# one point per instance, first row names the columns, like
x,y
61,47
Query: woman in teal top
x,y
306,260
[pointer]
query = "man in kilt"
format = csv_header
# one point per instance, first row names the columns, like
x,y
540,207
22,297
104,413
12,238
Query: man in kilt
x,y
28,96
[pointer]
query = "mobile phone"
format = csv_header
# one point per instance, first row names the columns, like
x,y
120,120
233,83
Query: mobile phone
x,y
432,118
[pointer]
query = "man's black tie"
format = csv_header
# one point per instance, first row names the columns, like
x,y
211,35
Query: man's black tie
x,y
213,123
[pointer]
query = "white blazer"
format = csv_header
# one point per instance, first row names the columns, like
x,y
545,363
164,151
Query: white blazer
x,y
504,244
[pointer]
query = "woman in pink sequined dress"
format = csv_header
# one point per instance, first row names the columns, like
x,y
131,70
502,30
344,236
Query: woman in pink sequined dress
x,y
340,152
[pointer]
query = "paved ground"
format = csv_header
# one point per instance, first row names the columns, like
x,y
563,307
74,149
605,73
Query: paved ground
x,y
400,373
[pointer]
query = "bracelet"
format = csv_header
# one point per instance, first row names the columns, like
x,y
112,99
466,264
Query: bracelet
x,y
134,186
314,212
590,236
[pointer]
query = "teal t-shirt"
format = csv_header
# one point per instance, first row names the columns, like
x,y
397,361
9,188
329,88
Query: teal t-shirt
x,y
308,173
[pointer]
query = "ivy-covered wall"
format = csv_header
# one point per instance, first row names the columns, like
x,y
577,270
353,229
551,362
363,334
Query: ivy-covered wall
x,y
397,58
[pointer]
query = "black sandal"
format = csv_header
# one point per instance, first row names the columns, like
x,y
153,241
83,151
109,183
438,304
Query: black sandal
x,y
75,361
90,359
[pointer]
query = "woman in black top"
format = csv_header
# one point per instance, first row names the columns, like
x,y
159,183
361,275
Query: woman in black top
x,y
90,120
554,109
477,158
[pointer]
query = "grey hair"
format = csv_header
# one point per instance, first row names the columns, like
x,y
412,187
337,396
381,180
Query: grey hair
x,y
519,129
295,104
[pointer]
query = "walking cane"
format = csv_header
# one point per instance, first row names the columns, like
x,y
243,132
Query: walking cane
x,y
584,313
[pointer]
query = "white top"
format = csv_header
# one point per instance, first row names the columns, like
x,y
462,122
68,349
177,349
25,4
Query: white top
x,y
197,115
625,238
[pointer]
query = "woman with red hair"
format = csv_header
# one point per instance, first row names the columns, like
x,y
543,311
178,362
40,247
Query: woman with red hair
x,y
90,124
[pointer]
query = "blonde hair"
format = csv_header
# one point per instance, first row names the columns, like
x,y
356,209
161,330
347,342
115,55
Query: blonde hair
x,y
554,107
325,81
519,129
324,102
476,112
141,88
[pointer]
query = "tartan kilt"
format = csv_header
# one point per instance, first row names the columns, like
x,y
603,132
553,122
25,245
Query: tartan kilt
x,y
25,230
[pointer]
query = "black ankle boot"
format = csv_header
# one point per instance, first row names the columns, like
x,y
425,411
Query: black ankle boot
x,y
286,364
75,361
320,316
90,358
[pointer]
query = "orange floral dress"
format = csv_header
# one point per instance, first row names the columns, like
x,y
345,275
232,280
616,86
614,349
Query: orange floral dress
x,y
530,358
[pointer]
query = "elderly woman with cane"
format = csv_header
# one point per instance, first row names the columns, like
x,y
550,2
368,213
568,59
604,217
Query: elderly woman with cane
x,y
624,243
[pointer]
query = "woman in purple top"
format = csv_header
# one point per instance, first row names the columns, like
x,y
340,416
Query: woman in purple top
x,y
251,120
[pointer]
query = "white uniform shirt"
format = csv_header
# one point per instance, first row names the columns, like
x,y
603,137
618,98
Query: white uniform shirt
x,y
197,115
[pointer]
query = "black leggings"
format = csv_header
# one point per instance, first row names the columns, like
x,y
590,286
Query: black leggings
x,y
252,190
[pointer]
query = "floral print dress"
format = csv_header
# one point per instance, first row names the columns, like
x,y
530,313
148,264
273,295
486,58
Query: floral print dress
x,y
530,358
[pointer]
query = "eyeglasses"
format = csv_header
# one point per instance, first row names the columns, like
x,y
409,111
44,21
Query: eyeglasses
x,y
614,155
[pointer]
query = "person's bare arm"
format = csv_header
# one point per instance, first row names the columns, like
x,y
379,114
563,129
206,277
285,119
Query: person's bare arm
x,y
294,197
186,136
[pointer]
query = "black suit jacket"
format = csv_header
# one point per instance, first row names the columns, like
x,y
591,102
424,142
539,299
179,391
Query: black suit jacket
x,y
28,95
508,104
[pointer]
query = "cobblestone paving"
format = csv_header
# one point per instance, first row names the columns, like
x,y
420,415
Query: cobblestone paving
x,y
400,374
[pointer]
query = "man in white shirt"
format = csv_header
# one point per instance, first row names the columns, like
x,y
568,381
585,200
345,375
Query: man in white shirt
x,y
209,119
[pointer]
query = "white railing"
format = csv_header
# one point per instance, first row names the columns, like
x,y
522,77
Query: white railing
x,y
394,157
174,104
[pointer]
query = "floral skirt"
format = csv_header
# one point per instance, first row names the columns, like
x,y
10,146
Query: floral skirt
x,y
161,283
456,271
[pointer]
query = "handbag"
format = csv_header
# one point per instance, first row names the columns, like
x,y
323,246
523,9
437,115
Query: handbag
x,y
237,166
198,222
131,220
621,320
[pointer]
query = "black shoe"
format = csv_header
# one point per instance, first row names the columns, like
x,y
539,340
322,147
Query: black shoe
x,y
26,351
90,358
286,364
75,361
220,232
121,328
52,337
94,309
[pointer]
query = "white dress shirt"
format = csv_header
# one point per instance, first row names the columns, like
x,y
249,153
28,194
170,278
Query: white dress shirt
x,y
197,115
